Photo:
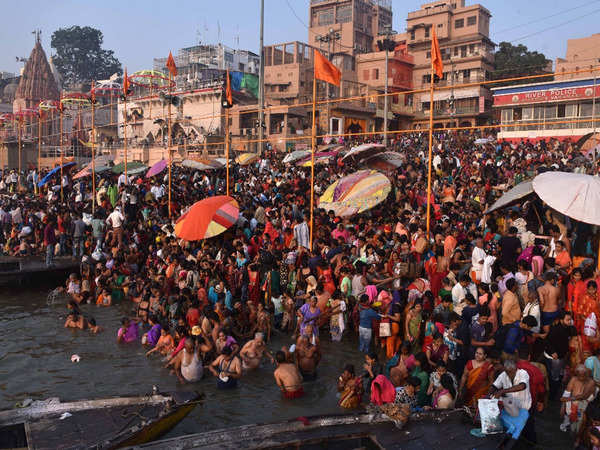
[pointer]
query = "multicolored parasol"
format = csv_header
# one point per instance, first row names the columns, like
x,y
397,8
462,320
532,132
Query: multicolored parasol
x,y
365,151
202,164
320,158
295,156
75,100
356,193
207,218
245,159
156,168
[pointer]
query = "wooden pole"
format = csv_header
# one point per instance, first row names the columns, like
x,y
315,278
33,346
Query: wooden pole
x,y
19,132
169,143
227,150
93,140
312,159
39,143
125,133
430,150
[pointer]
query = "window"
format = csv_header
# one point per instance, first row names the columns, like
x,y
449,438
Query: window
x,y
426,79
527,113
366,74
466,74
471,20
459,23
507,115
426,32
455,51
585,110
517,114
325,17
440,25
471,49
571,110
412,35
428,55
463,51
376,74
561,110
343,14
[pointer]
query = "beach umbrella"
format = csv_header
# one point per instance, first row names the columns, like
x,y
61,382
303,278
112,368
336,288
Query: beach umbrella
x,y
356,193
320,158
156,168
384,161
133,167
295,156
102,164
202,164
511,196
50,174
207,218
573,194
245,159
364,151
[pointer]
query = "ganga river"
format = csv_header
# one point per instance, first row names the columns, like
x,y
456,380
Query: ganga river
x,y
35,362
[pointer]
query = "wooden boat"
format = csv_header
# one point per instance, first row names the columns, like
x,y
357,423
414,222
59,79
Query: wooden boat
x,y
447,429
15,270
99,424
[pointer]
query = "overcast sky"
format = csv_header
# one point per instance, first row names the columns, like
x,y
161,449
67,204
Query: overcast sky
x,y
139,30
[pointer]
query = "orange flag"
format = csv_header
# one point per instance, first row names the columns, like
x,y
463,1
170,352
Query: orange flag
x,y
436,56
325,70
125,83
171,65
228,92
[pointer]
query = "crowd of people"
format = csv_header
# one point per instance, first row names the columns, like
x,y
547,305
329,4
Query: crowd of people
x,y
501,305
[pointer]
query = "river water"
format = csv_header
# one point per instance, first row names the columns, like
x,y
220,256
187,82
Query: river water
x,y
35,362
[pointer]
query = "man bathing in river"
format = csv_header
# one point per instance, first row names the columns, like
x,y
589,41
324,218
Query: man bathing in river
x,y
288,377
75,320
307,358
253,352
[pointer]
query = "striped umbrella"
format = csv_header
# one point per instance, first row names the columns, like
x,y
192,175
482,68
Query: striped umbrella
x,y
245,159
207,218
356,193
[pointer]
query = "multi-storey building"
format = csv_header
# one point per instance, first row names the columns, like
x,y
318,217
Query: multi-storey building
x,y
467,54
583,53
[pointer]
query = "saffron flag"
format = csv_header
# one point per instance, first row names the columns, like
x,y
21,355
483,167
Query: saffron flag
x,y
436,56
325,70
171,65
228,91
125,83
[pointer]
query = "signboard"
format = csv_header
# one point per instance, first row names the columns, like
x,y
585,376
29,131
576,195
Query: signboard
x,y
548,95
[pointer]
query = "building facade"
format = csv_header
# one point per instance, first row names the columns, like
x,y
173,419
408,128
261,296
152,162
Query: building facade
x,y
467,55
558,109
583,53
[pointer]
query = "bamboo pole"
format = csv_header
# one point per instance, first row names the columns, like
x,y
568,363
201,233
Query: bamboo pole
x,y
430,149
312,160
227,149
125,134
169,143
61,155
93,141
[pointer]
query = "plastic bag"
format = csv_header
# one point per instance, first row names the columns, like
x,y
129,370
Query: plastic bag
x,y
489,412
590,325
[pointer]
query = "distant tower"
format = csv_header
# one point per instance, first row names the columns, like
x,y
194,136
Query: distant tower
x,y
37,82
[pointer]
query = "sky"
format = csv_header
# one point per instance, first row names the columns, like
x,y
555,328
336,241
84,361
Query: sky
x,y
140,30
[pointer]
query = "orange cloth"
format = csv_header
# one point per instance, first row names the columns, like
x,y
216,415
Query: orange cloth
x,y
325,70
436,56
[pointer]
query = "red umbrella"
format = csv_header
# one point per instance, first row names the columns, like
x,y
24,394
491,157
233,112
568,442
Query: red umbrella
x,y
207,218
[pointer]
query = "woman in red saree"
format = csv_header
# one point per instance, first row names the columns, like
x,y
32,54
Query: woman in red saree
x,y
437,269
477,378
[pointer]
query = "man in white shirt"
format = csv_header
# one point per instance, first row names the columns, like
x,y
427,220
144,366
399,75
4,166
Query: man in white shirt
x,y
459,292
477,259
116,219
302,234
513,384
122,180
158,191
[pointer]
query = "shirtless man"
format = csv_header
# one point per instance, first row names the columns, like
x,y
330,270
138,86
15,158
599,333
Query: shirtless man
x,y
549,295
263,322
288,313
578,393
253,352
287,377
74,320
307,358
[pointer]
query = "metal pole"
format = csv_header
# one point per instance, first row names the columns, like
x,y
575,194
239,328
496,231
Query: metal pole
x,y
61,156
227,148
385,99
594,118
261,81
312,158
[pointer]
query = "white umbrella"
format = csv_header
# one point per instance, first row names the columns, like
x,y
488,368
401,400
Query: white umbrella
x,y
518,192
295,156
365,150
572,194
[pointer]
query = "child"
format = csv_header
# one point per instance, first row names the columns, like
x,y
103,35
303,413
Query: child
x,y
93,327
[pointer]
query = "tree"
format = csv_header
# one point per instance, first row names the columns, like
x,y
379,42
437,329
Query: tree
x,y
79,55
512,61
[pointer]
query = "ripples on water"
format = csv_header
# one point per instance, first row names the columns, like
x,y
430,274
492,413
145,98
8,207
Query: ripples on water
x,y
35,362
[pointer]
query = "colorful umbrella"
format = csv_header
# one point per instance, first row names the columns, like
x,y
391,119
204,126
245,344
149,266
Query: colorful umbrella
x,y
102,164
356,193
245,159
364,151
296,155
320,158
207,218
50,174
156,168
133,167
519,192
385,161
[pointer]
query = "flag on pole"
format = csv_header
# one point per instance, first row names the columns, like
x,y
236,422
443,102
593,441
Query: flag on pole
x,y
228,91
171,65
436,56
325,70
125,83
